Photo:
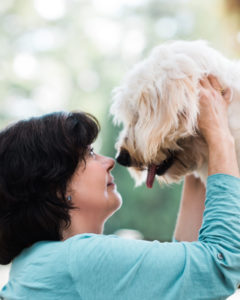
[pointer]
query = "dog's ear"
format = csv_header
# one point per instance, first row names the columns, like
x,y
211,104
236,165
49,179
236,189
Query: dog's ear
x,y
168,109
182,97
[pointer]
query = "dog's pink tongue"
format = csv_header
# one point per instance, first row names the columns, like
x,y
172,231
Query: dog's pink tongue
x,y
151,175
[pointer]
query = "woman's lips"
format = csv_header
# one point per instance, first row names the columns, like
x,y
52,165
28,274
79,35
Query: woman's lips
x,y
111,182
111,185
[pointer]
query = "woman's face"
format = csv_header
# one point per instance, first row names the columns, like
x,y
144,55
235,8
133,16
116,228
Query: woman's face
x,y
92,187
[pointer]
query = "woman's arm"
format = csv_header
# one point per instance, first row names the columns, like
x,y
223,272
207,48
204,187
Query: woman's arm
x,y
191,210
221,159
193,196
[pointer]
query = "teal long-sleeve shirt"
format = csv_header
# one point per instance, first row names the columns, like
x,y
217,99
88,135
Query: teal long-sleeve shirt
x,y
100,267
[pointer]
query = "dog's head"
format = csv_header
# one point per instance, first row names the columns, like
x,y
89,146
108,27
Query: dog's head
x,y
158,107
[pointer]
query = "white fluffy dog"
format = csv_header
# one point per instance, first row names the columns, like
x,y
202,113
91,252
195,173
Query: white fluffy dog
x,y
158,105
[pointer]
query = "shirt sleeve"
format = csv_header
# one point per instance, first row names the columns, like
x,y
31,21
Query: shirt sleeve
x,y
108,267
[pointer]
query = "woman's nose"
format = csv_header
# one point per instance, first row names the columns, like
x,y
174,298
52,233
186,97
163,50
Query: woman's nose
x,y
110,163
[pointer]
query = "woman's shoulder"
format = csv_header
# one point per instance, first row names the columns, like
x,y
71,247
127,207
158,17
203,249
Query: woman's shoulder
x,y
84,238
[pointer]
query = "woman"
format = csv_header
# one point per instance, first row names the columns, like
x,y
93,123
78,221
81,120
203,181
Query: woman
x,y
56,194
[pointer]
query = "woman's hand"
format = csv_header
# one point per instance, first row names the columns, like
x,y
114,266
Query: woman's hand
x,y
213,118
213,125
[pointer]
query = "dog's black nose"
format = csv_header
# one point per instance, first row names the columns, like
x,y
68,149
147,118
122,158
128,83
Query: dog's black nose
x,y
124,158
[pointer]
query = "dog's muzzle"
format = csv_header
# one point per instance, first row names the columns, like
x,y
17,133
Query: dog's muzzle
x,y
124,158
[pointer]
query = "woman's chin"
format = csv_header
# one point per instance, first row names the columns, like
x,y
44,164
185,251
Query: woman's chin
x,y
115,202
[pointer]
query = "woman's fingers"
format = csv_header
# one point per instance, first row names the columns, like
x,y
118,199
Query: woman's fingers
x,y
213,107
214,82
211,82
205,82
227,95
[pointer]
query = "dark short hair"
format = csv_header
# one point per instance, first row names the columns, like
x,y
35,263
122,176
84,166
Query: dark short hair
x,y
38,157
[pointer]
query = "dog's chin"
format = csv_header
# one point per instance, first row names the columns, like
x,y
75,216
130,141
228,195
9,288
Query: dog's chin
x,y
182,166
190,159
174,174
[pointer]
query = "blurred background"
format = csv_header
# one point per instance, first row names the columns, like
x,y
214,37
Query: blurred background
x,y
70,54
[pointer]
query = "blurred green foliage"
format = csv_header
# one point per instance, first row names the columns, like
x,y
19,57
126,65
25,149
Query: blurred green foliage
x,y
70,54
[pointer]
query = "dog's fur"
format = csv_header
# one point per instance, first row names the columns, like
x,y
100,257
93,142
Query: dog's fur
x,y
158,107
